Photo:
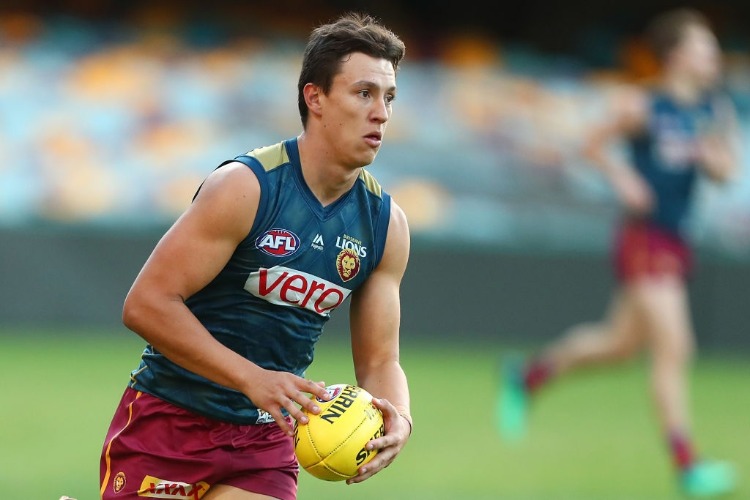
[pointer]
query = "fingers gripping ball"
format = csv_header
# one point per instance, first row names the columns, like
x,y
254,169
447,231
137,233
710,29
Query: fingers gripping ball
x,y
331,446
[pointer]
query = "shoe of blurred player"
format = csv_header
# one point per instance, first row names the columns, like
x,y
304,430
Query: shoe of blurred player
x,y
708,478
512,400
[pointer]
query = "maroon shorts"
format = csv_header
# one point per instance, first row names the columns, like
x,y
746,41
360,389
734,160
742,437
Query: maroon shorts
x,y
642,249
155,449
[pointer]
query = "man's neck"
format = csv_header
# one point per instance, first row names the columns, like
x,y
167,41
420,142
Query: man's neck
x,y
682,89
327,180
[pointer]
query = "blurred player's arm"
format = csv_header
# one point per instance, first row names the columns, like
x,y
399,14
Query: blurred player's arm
x,y
184,261
719,148
375,316
625,117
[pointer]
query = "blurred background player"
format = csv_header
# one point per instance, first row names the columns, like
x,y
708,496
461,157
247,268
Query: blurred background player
x,y
675,130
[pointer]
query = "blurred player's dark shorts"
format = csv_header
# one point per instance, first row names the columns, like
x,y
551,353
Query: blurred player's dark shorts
x,y
642,249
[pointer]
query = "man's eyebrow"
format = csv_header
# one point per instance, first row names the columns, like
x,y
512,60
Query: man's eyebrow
x,y
371,84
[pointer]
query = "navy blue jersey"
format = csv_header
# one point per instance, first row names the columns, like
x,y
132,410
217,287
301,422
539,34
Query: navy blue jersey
x,y
271,301
664,154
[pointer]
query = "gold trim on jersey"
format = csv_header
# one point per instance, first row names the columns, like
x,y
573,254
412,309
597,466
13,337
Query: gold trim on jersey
x,y
273,156
371,183
270,157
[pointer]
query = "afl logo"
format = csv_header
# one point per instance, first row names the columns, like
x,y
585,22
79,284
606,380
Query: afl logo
x,y
333,391
278,242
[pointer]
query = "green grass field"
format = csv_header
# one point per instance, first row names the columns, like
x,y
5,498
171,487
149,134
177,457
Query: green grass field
x,y
592,435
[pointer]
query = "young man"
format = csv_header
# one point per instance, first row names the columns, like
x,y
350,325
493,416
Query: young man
x,y
675,131
235,295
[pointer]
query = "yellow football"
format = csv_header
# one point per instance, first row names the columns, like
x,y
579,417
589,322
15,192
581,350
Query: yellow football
x,y
331,446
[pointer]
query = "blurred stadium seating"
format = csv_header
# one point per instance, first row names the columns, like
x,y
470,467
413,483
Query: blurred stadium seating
x,y
116,124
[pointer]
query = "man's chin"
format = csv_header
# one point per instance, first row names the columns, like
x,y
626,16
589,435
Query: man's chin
x,y
370,160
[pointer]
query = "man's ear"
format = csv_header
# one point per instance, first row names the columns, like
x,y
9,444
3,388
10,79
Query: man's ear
x,y
312,94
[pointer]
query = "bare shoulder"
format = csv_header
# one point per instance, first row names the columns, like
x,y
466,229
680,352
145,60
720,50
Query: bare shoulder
x,y
630,107
228,199
397,243
398,225
233,178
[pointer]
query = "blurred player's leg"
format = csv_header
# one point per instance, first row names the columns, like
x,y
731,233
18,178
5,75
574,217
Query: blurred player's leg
x,y
616,338
665,305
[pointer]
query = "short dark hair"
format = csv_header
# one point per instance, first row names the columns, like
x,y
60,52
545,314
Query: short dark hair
x,y
666,30
329,44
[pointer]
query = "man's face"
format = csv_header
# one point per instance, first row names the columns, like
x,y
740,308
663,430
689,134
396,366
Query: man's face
x,y
357,108
699,55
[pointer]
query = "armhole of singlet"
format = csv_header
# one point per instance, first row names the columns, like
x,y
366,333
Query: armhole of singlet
x,y
381,228
260,174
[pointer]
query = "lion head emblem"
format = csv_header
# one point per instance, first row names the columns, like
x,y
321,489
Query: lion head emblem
x,y
347,264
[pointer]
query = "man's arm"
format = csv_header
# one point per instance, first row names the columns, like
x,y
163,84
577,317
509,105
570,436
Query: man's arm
x,y
719,148
185,260
626,117
375,317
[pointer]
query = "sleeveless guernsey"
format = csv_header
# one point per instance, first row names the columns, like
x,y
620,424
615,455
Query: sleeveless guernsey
x,y
271,301
664,154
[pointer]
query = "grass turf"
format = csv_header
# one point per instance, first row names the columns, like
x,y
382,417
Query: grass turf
x,y
592,436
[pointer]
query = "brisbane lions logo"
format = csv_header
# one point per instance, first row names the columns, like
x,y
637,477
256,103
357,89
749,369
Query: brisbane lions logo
x,y
347,264
118,483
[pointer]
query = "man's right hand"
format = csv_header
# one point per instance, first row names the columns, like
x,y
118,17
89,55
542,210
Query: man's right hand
x,y
274,390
